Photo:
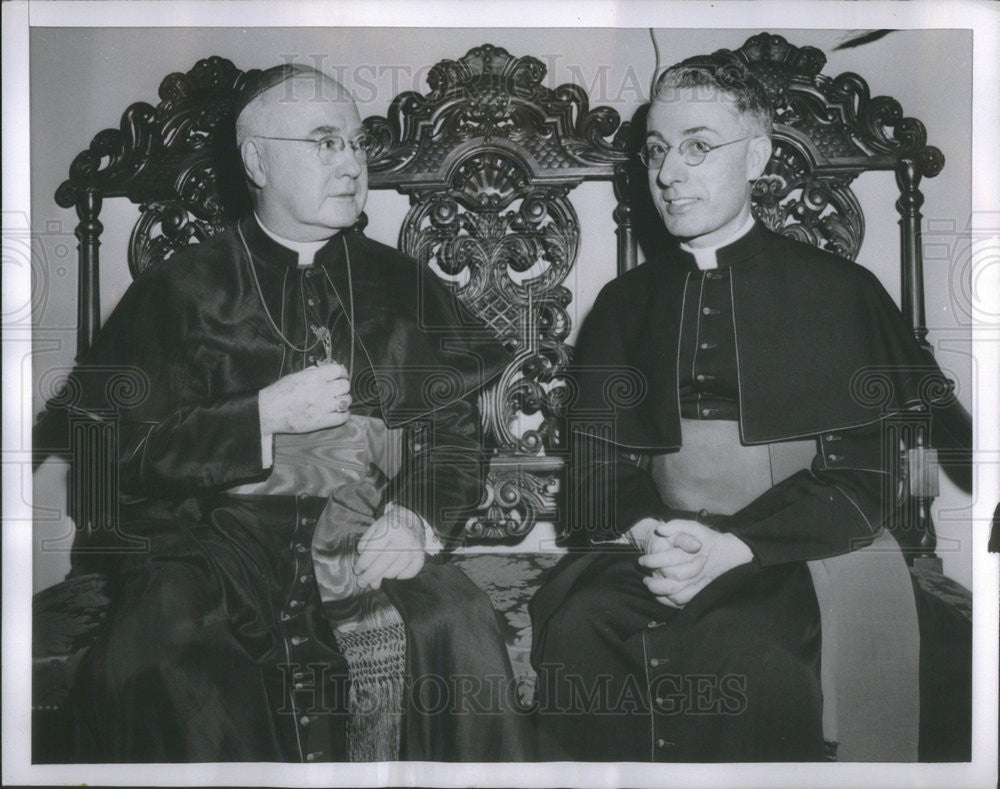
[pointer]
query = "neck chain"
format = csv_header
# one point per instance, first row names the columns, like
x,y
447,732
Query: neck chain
x,y
322,332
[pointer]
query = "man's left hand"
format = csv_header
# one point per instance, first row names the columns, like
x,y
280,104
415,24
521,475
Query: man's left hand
x,y
676,579
392,547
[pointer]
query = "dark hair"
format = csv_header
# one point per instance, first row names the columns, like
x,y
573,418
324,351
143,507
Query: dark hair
x,y
727,73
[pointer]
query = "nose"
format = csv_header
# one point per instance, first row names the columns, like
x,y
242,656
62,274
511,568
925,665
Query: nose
x,y
673,169
349,162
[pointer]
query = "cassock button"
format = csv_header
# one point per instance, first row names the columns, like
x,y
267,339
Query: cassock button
x,y
834,458
654,662
311,302
296,640
662,743
294,603
301,548
311,757
305,720
304,578
285,616
707,346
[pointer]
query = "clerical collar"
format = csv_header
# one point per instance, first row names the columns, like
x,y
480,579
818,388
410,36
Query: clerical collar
x,y
706,257
306,250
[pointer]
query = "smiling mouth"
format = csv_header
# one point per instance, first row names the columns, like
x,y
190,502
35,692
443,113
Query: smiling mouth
x,y
678,204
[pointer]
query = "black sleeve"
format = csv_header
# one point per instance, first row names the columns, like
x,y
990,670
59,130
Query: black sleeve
x,y
207,444
175,431
608,491
836,506
443,469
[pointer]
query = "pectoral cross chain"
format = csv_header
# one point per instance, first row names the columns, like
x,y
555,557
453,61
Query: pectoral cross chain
x,y
323,335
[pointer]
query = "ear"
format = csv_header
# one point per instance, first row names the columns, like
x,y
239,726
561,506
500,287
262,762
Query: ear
x,y
253,162
758,155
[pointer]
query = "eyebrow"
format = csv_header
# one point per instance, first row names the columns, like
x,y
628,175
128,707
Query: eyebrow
x,y
686,133
698,129
323,130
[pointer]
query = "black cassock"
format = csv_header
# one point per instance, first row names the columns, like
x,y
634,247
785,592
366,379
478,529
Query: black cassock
x,y
781,342
218,648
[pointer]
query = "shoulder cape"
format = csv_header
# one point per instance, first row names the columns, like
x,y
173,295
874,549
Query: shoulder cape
x,y
820,345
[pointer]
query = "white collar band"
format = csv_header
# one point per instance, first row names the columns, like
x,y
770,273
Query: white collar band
x,y
705,257
306,249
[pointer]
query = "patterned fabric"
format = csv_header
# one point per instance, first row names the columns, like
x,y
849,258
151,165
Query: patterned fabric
x,y
66,619
68,615
510,580
945,589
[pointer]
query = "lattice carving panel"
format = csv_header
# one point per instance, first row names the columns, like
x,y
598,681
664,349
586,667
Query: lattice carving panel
x,y
506,246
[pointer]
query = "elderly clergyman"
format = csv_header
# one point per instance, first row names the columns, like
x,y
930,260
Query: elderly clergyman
x,y
693,635
309,437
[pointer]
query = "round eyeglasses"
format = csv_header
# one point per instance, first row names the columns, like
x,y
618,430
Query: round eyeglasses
x,y
329,146
692,151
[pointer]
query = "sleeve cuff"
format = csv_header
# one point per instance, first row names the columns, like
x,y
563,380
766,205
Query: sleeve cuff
x,y
266,450
432,545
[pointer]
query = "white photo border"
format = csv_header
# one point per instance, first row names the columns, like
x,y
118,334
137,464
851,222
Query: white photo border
x,y
983,18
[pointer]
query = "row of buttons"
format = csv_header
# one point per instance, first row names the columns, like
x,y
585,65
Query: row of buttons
x,y
295,606
709,334
661,742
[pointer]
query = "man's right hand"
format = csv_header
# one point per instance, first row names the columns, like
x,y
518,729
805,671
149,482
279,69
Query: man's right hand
x,y
308,400
676,555
645,537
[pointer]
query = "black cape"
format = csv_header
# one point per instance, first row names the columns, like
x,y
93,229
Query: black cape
x,y
190,345
820,346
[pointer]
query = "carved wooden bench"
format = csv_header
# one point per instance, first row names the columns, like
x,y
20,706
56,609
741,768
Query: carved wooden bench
x,y
488,158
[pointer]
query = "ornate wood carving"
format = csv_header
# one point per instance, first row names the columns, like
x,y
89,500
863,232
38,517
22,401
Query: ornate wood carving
x,y
177,160
828,130
490,98
488,157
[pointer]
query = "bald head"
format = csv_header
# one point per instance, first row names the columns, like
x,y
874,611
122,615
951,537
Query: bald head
x,y
273,92
299,135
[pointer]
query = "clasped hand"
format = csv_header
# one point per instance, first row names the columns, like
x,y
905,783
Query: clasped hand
x,y
311,399
685,556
